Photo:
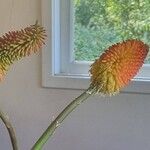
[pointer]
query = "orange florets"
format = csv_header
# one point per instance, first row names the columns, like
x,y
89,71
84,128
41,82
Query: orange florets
x,y
15,45
117,66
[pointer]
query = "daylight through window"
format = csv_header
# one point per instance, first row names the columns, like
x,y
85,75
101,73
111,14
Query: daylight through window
x,y
101,23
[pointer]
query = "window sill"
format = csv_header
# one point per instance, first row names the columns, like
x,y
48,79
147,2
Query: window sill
x,y
137,85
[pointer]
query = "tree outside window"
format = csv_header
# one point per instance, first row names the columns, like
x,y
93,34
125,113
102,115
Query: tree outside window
x,y
101,23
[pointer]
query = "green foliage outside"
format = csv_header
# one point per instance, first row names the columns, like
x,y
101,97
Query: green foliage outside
x,y
100,23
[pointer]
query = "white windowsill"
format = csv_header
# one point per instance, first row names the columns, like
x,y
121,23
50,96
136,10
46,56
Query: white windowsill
x,y
82,82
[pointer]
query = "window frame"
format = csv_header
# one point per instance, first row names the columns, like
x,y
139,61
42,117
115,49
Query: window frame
x,y
53,76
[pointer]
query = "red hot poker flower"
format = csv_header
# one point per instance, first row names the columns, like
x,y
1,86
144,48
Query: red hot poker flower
x,y
117,66
17,44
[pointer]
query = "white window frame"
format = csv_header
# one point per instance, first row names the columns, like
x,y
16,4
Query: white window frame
x,y
54,75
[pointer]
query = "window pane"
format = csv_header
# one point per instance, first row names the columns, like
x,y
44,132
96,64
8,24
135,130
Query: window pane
x,y
100,23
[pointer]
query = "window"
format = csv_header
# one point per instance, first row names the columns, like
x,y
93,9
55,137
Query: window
x,y
65,61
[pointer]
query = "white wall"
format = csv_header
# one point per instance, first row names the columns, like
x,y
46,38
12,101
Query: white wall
x,y
118,123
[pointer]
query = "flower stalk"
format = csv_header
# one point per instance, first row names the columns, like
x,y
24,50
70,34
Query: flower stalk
x,y
56,123
10,129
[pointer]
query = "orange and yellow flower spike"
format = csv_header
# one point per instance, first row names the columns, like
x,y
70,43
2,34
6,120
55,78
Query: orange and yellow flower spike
x,y
112,71
117,66
18,44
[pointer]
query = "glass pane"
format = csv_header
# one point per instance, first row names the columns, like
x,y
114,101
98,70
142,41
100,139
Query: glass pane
x,y
100,23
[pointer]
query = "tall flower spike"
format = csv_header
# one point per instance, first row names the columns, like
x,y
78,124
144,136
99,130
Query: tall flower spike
x,y
117,66
112,71
17,44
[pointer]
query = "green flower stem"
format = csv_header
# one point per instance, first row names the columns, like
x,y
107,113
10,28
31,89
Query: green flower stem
x,y
10,130
56,123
